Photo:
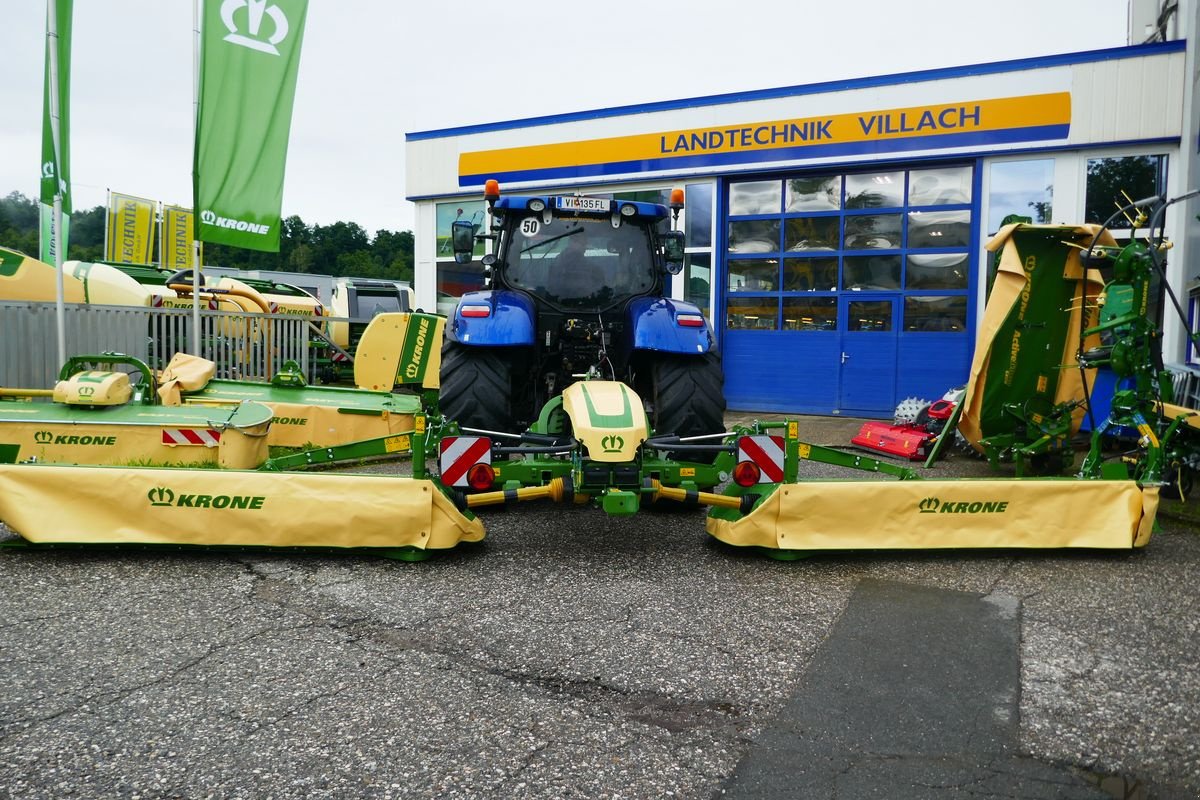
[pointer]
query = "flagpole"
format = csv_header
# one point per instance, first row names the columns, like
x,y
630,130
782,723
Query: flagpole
x,y
195,211
60,310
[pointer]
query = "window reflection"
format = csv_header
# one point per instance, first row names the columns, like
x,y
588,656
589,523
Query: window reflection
x,y
810,275
1023,188
699,199
939,187
936,271
869,315
752,313
871,272
875,190
810,314
697,276
939,228
814,193
754,236
754,275
1110,179
811,233
755,197
873,232
945,314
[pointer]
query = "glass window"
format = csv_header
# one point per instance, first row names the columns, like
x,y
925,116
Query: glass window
x,y
1113,182
871,272
869,315
811,233
698,214
810,313
754,275
447,213
939,228
455,280
755,197
875,190
754,236
814,193
752,313
697,276
935,313
1021,188
873,232
810,275
939,187
936,271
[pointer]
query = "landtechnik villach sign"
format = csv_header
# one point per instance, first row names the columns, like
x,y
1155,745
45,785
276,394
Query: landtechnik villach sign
x,y
995,121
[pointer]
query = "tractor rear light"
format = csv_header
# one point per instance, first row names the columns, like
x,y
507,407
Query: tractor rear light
x,y
746,473
536,204
491,189
690,320
628,210
481,477
476,311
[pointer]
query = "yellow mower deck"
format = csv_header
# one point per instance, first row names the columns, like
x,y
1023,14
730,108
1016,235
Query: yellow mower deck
x,y
947,514
103,505
233,437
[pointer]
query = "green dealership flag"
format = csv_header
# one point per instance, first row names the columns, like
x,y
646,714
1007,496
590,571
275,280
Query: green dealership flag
x,y
249,56
56,161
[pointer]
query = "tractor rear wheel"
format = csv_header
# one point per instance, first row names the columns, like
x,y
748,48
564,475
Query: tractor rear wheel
x,y
476,387
689,399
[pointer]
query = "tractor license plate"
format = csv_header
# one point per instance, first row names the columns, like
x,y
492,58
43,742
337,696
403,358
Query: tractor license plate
x,y
594,204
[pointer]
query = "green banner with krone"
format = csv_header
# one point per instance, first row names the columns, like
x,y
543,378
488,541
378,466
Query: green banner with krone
x,y
55,168
249,57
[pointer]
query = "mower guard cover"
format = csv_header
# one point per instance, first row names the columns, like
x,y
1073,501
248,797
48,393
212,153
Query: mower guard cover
x,y
1037,279
927,515
218,508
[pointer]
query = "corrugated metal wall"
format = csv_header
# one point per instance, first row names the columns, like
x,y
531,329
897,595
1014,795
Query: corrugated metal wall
x,y
244,346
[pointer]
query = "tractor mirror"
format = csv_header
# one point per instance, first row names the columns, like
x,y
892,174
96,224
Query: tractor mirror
x,y
673,251
462,238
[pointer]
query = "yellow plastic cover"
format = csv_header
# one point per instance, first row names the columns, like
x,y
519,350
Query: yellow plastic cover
x,y
184,373
400,348
920,515
94,388
300,425
102,505
608,419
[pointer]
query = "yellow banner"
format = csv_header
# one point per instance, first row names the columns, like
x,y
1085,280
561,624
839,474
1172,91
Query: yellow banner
x,y
131,224
178,233
982,121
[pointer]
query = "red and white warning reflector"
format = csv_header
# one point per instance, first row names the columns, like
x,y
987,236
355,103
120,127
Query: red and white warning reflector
x,y
204,437
766,452
459,454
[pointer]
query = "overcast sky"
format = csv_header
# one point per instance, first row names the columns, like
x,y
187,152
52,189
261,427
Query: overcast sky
x,y
373,70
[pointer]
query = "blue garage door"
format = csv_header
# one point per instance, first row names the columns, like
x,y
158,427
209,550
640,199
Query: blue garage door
x,y
845,293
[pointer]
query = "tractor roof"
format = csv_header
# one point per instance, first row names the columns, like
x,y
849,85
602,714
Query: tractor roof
x,y
521,203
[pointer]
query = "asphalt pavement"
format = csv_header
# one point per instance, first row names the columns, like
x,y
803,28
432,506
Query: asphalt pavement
x,y
575,655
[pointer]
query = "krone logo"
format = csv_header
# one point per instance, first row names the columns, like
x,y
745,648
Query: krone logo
x,y
43,437
209,217
612,444
255,10
87,391
160,496
929,505
48,170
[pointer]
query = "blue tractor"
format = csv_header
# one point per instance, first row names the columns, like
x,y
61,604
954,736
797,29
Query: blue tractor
x,y
575,290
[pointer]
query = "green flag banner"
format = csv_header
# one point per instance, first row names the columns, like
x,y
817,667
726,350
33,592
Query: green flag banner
x,y
56,160
249,56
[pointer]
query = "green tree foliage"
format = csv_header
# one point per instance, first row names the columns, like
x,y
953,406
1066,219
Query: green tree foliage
x,y
342,248
1113,182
